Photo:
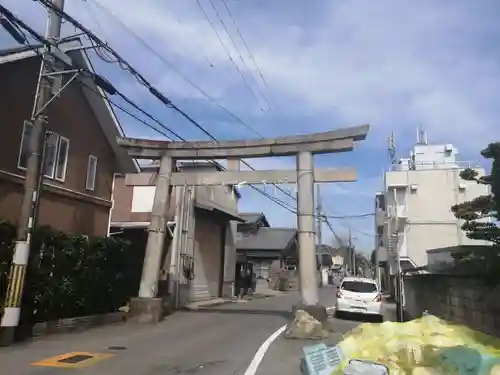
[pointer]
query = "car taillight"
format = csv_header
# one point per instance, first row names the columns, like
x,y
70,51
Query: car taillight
x,y
378,298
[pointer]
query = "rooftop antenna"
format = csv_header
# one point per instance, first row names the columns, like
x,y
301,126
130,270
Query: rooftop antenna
x,y
392,148
421,135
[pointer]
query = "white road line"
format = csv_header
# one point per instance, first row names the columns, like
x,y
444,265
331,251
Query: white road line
x,y
259,356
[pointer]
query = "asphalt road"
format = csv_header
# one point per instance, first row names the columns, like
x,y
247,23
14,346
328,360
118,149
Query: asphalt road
x,y
219,341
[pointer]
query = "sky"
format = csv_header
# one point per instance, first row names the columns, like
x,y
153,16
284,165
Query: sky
x,y
255,68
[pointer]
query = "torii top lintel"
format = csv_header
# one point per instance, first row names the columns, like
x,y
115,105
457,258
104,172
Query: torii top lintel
x,y
339,140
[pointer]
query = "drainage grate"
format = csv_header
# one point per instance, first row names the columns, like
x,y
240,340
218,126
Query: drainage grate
x,y
75,358
117,348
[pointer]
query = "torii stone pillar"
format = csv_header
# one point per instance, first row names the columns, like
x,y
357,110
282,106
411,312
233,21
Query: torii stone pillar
x,y
147,307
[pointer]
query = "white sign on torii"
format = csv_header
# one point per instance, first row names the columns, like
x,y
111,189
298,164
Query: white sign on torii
x,y
303,146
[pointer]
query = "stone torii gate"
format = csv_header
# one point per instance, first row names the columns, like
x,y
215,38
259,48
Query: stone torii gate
x,y
302,146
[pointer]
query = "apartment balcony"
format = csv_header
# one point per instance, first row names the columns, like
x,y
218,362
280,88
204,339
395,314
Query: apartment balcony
x,y
382,254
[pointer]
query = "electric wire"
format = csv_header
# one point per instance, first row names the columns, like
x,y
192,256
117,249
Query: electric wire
x,y
143,81
125,65
247,48
16,21
170,65
228,53
179,73
237,49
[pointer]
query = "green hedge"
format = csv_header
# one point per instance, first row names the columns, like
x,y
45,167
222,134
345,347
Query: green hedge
x,y
71,275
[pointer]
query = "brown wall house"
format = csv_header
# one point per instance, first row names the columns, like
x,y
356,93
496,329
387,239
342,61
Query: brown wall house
x,y
213,246
82,140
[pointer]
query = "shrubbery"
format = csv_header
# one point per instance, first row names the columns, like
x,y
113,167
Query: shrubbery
x,y
72,275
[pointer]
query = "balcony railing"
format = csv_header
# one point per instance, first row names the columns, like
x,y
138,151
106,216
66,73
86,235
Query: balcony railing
x,y
409,165
396,211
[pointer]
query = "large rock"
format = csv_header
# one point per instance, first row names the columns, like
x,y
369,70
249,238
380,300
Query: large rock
x,y
304,326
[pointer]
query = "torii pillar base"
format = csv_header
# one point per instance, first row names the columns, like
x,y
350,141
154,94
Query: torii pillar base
x,y
145,310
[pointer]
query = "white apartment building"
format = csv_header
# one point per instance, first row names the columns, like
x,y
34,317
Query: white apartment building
x,y
414,210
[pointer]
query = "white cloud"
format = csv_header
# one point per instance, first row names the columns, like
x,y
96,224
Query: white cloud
x,y
367,62
394,64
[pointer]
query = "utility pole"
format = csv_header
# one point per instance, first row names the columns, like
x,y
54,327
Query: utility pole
x,y
353,254
318,217
12,307
399,291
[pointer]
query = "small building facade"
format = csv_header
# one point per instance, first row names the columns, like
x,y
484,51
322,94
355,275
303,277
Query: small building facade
x,y
414,210
210,248
260,244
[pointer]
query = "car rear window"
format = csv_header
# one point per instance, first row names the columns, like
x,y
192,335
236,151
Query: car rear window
x,y
359,287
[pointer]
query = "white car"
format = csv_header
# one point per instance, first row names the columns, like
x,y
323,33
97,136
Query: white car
x,y
359,295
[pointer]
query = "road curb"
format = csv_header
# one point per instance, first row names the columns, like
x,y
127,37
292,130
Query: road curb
x,y
196,307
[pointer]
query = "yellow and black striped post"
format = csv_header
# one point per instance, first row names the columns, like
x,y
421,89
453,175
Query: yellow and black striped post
x,y
12,304
15,286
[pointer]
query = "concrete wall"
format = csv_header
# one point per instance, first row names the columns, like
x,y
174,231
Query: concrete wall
x,y
220,197
229,259
425,198
462,300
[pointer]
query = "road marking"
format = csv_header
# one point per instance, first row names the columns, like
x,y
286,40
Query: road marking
x,y
259,356
73,360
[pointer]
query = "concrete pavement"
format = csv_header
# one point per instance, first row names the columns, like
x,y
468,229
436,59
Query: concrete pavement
x,y
215,341
283,356
220,340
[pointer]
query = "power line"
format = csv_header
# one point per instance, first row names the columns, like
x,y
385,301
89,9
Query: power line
x,y
17,22
238,51
250,54
123,63
142,80
20,25
228,53
178,72
210,63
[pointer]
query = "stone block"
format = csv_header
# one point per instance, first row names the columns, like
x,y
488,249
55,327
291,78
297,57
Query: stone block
x,y
304,326
145,310
318,312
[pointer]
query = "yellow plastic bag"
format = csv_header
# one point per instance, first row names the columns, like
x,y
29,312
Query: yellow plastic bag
x,y
425,346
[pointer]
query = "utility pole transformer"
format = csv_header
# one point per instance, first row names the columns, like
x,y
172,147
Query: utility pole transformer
x,y
32,184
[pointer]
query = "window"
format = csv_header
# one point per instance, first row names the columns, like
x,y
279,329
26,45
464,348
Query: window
x,y
24,150
50,154
55,153
359,287
62,158
91,173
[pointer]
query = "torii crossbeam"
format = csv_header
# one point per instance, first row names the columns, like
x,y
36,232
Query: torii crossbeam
x,y
303,146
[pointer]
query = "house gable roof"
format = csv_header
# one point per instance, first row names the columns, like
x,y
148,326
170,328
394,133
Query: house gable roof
x,y
267,239
95,96
254,217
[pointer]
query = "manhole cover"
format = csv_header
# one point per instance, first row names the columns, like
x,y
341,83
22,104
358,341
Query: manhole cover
x,y
117,348
75,358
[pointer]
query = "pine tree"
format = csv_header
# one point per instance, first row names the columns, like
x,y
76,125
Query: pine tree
x,y
485,206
